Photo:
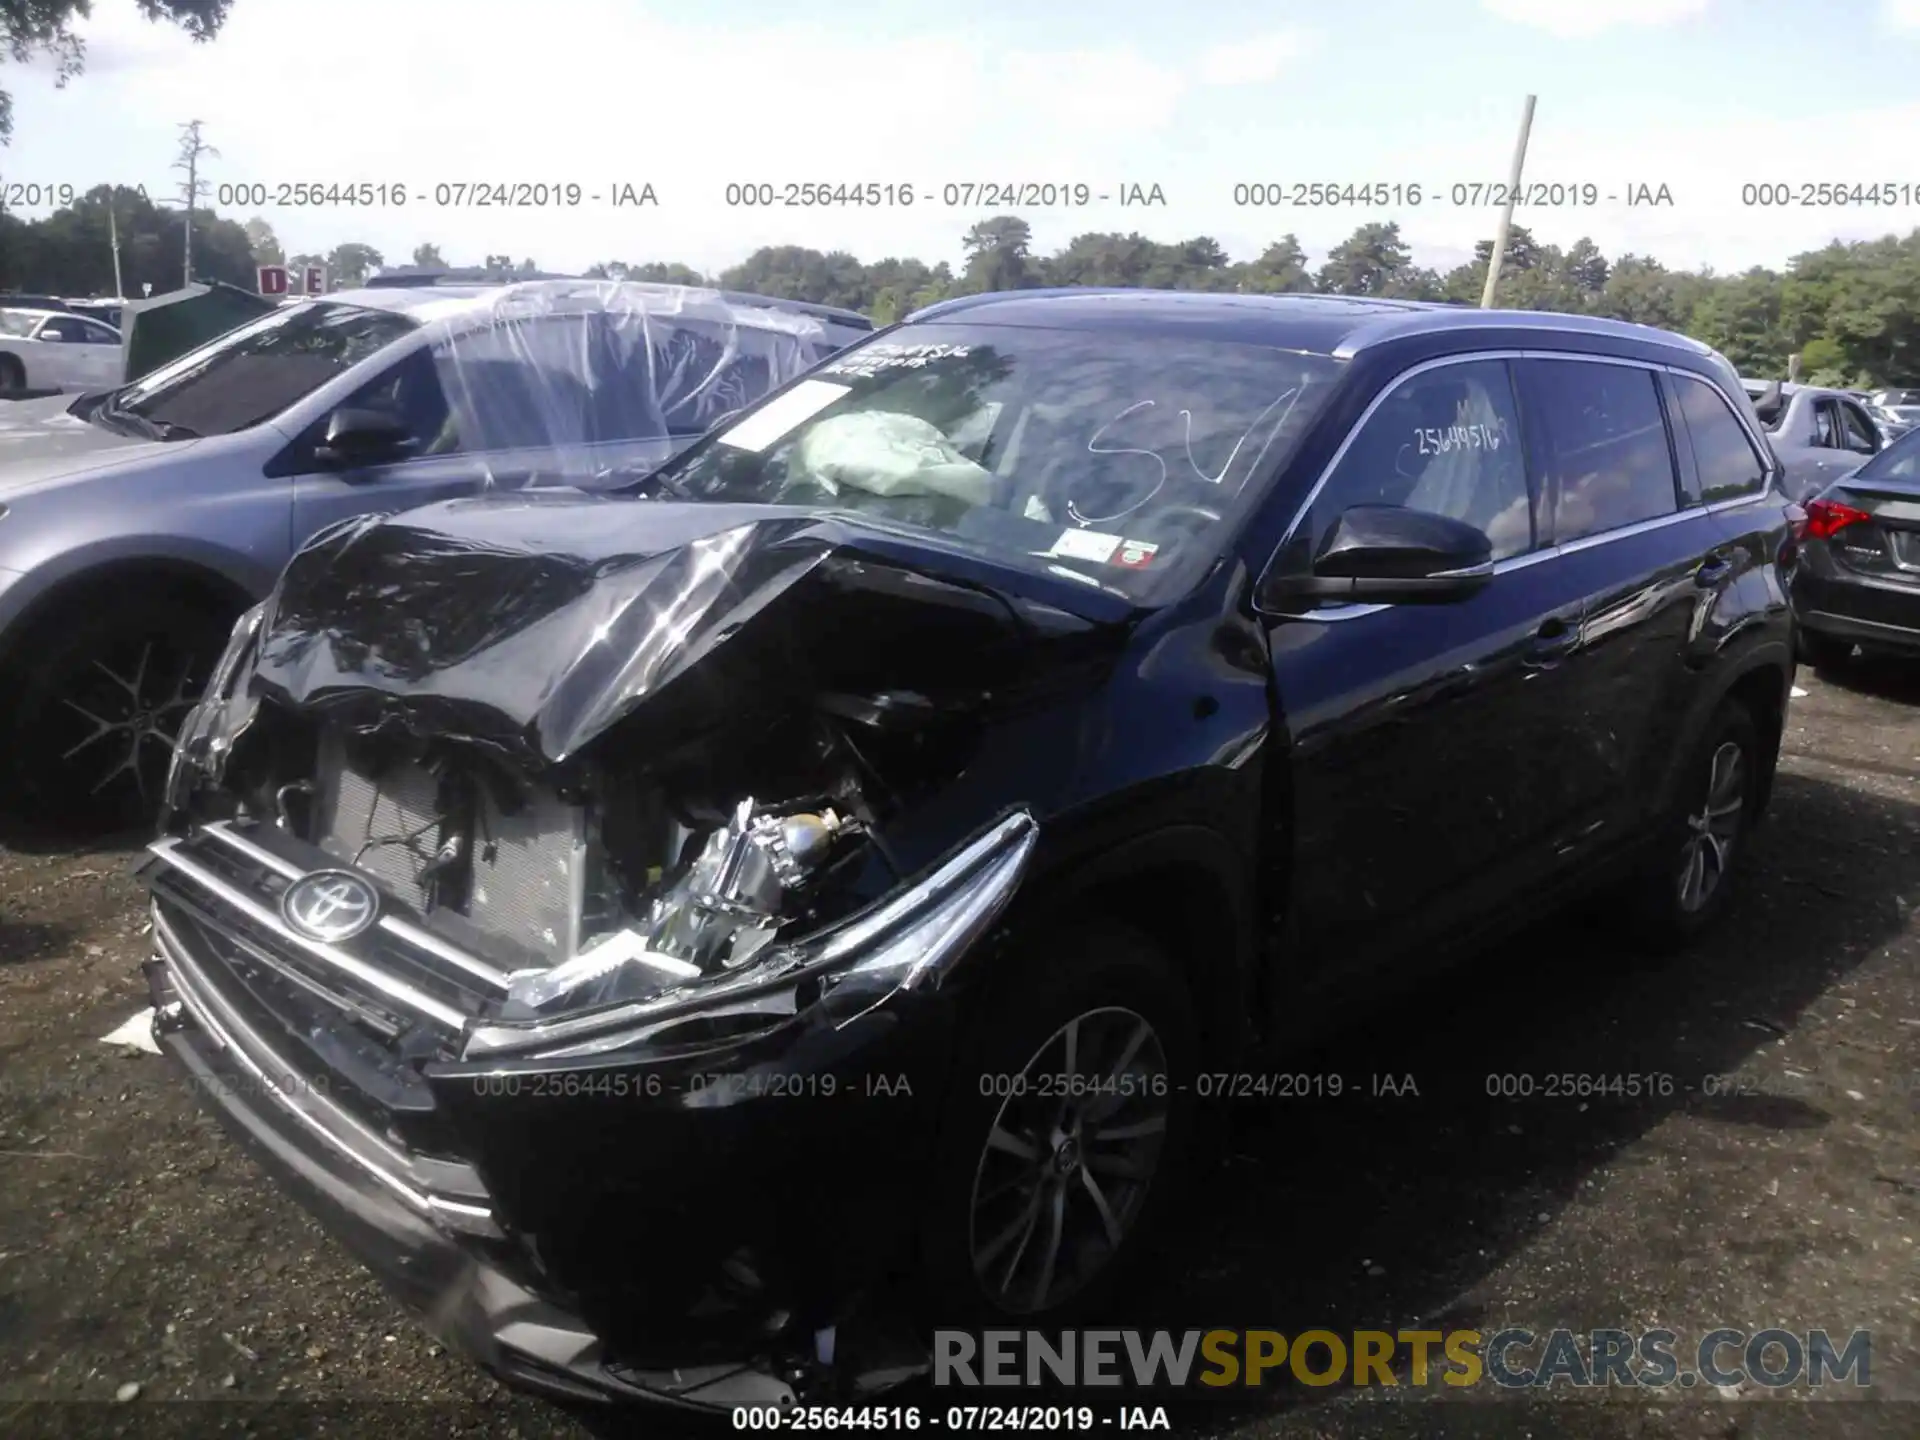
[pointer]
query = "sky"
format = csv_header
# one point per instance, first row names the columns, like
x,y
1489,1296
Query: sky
x,y
1703,97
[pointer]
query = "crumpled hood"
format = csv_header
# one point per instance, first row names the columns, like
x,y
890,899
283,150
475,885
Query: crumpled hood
x,y
533,623
40,441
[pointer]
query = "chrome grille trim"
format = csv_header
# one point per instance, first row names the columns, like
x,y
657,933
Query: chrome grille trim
x,y
169,851
341,1131
404,931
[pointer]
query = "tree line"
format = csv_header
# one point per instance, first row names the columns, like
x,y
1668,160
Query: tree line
x,y
1850,310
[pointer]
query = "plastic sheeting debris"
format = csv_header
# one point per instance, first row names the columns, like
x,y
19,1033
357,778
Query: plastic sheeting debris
x,y
135,1034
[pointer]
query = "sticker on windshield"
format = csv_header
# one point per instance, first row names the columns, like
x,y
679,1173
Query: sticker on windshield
x,y
870,360
1136,554
1084,545
781,416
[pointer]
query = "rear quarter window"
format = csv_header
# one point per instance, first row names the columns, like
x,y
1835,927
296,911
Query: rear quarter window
x,y
1723,455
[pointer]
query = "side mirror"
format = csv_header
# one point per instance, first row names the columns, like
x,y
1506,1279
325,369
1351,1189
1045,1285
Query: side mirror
x,y
364,437
1388,554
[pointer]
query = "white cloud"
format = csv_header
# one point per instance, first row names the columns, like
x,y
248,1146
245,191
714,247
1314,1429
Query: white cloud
x,y
1583,19
1901,14
1253,61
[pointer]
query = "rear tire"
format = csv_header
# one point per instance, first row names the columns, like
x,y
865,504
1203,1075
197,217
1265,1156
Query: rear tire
x,y
1824,652
1688,878
1044,1201
98,700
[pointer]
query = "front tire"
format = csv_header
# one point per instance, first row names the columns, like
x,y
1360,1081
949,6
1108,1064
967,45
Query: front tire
x,y
1688,879
98,702
13,376
1049,1189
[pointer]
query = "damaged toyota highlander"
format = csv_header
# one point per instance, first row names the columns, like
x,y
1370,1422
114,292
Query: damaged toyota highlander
x,y
689,939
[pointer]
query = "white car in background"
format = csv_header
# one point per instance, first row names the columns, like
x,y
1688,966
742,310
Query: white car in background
x,y
56,350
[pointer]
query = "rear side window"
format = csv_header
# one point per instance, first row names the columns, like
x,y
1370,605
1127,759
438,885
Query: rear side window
x,y
1859,433
1446,441
1725,458
1605,442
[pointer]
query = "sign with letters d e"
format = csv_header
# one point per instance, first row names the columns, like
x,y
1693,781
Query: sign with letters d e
x,y
273,279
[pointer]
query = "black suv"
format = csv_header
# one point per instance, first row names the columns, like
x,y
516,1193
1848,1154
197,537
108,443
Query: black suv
x,y
658,918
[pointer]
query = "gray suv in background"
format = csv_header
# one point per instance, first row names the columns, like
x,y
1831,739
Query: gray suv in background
x,y
137,524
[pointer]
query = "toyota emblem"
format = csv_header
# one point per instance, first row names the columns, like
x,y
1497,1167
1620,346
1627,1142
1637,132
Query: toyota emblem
x,y
330,905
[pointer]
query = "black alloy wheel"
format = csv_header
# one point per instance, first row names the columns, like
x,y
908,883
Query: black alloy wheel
x,y
100,705
1069,1160
1686,883
1063,1138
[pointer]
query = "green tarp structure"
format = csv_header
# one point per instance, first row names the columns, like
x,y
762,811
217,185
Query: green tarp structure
x,y
162,328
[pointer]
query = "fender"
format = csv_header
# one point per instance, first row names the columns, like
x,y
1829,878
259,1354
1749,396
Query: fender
x,y
1739,665
1189,889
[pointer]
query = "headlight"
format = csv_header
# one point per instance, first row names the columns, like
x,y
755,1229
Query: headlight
x,y
909,940
215,723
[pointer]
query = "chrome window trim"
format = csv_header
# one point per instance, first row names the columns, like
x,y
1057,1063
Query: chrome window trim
x,y
1531,557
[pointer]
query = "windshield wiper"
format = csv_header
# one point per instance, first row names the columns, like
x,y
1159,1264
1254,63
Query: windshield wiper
x,y
126,421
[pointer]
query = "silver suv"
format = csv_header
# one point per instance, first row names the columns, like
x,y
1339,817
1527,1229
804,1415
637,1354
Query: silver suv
x,y
136,524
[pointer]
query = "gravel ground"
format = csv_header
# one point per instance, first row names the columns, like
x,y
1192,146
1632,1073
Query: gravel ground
x,y
137,1247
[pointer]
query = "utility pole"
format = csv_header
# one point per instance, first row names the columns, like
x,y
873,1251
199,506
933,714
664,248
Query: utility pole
x,y
1506,214
113,234
192,147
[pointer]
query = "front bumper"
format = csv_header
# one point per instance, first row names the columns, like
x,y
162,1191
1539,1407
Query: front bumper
x,y
704,1227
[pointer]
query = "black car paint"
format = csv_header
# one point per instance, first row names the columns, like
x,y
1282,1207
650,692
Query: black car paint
x,y
1853,587
1293,806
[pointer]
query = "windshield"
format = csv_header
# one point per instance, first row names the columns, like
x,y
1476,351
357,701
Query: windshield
x,y
12,322
1899,461
1110,457
251,374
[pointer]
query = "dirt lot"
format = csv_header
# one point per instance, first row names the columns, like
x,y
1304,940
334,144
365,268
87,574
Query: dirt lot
x,y
138,1248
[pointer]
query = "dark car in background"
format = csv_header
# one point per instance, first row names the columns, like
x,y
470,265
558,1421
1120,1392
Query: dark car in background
x,y
1858,580
684,918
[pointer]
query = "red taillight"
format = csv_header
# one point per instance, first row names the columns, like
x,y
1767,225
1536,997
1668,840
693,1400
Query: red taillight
x,y
1827,518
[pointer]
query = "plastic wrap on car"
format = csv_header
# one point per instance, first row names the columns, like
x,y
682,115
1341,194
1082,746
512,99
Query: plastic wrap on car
x,y
584,372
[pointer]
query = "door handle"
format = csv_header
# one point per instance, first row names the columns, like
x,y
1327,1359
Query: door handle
x,y
1554,639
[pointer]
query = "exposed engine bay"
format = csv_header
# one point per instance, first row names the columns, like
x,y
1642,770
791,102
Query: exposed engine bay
x,y
527,809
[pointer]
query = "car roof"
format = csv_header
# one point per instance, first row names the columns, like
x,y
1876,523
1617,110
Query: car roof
x,y
1341,325
36,311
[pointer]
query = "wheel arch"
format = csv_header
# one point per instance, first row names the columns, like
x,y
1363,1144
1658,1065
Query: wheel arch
x,y
116,582
1761,682
1185,888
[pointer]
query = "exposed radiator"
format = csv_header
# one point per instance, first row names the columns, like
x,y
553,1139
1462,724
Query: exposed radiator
x,y
528,867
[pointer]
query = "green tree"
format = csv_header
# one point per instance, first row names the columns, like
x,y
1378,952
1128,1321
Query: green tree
x,y
428,257
999,253
1367,262
32,29
1281,269
350,264
264,244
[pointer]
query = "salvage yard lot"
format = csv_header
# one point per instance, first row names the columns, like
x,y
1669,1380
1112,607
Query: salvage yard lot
x,y
1778,1184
